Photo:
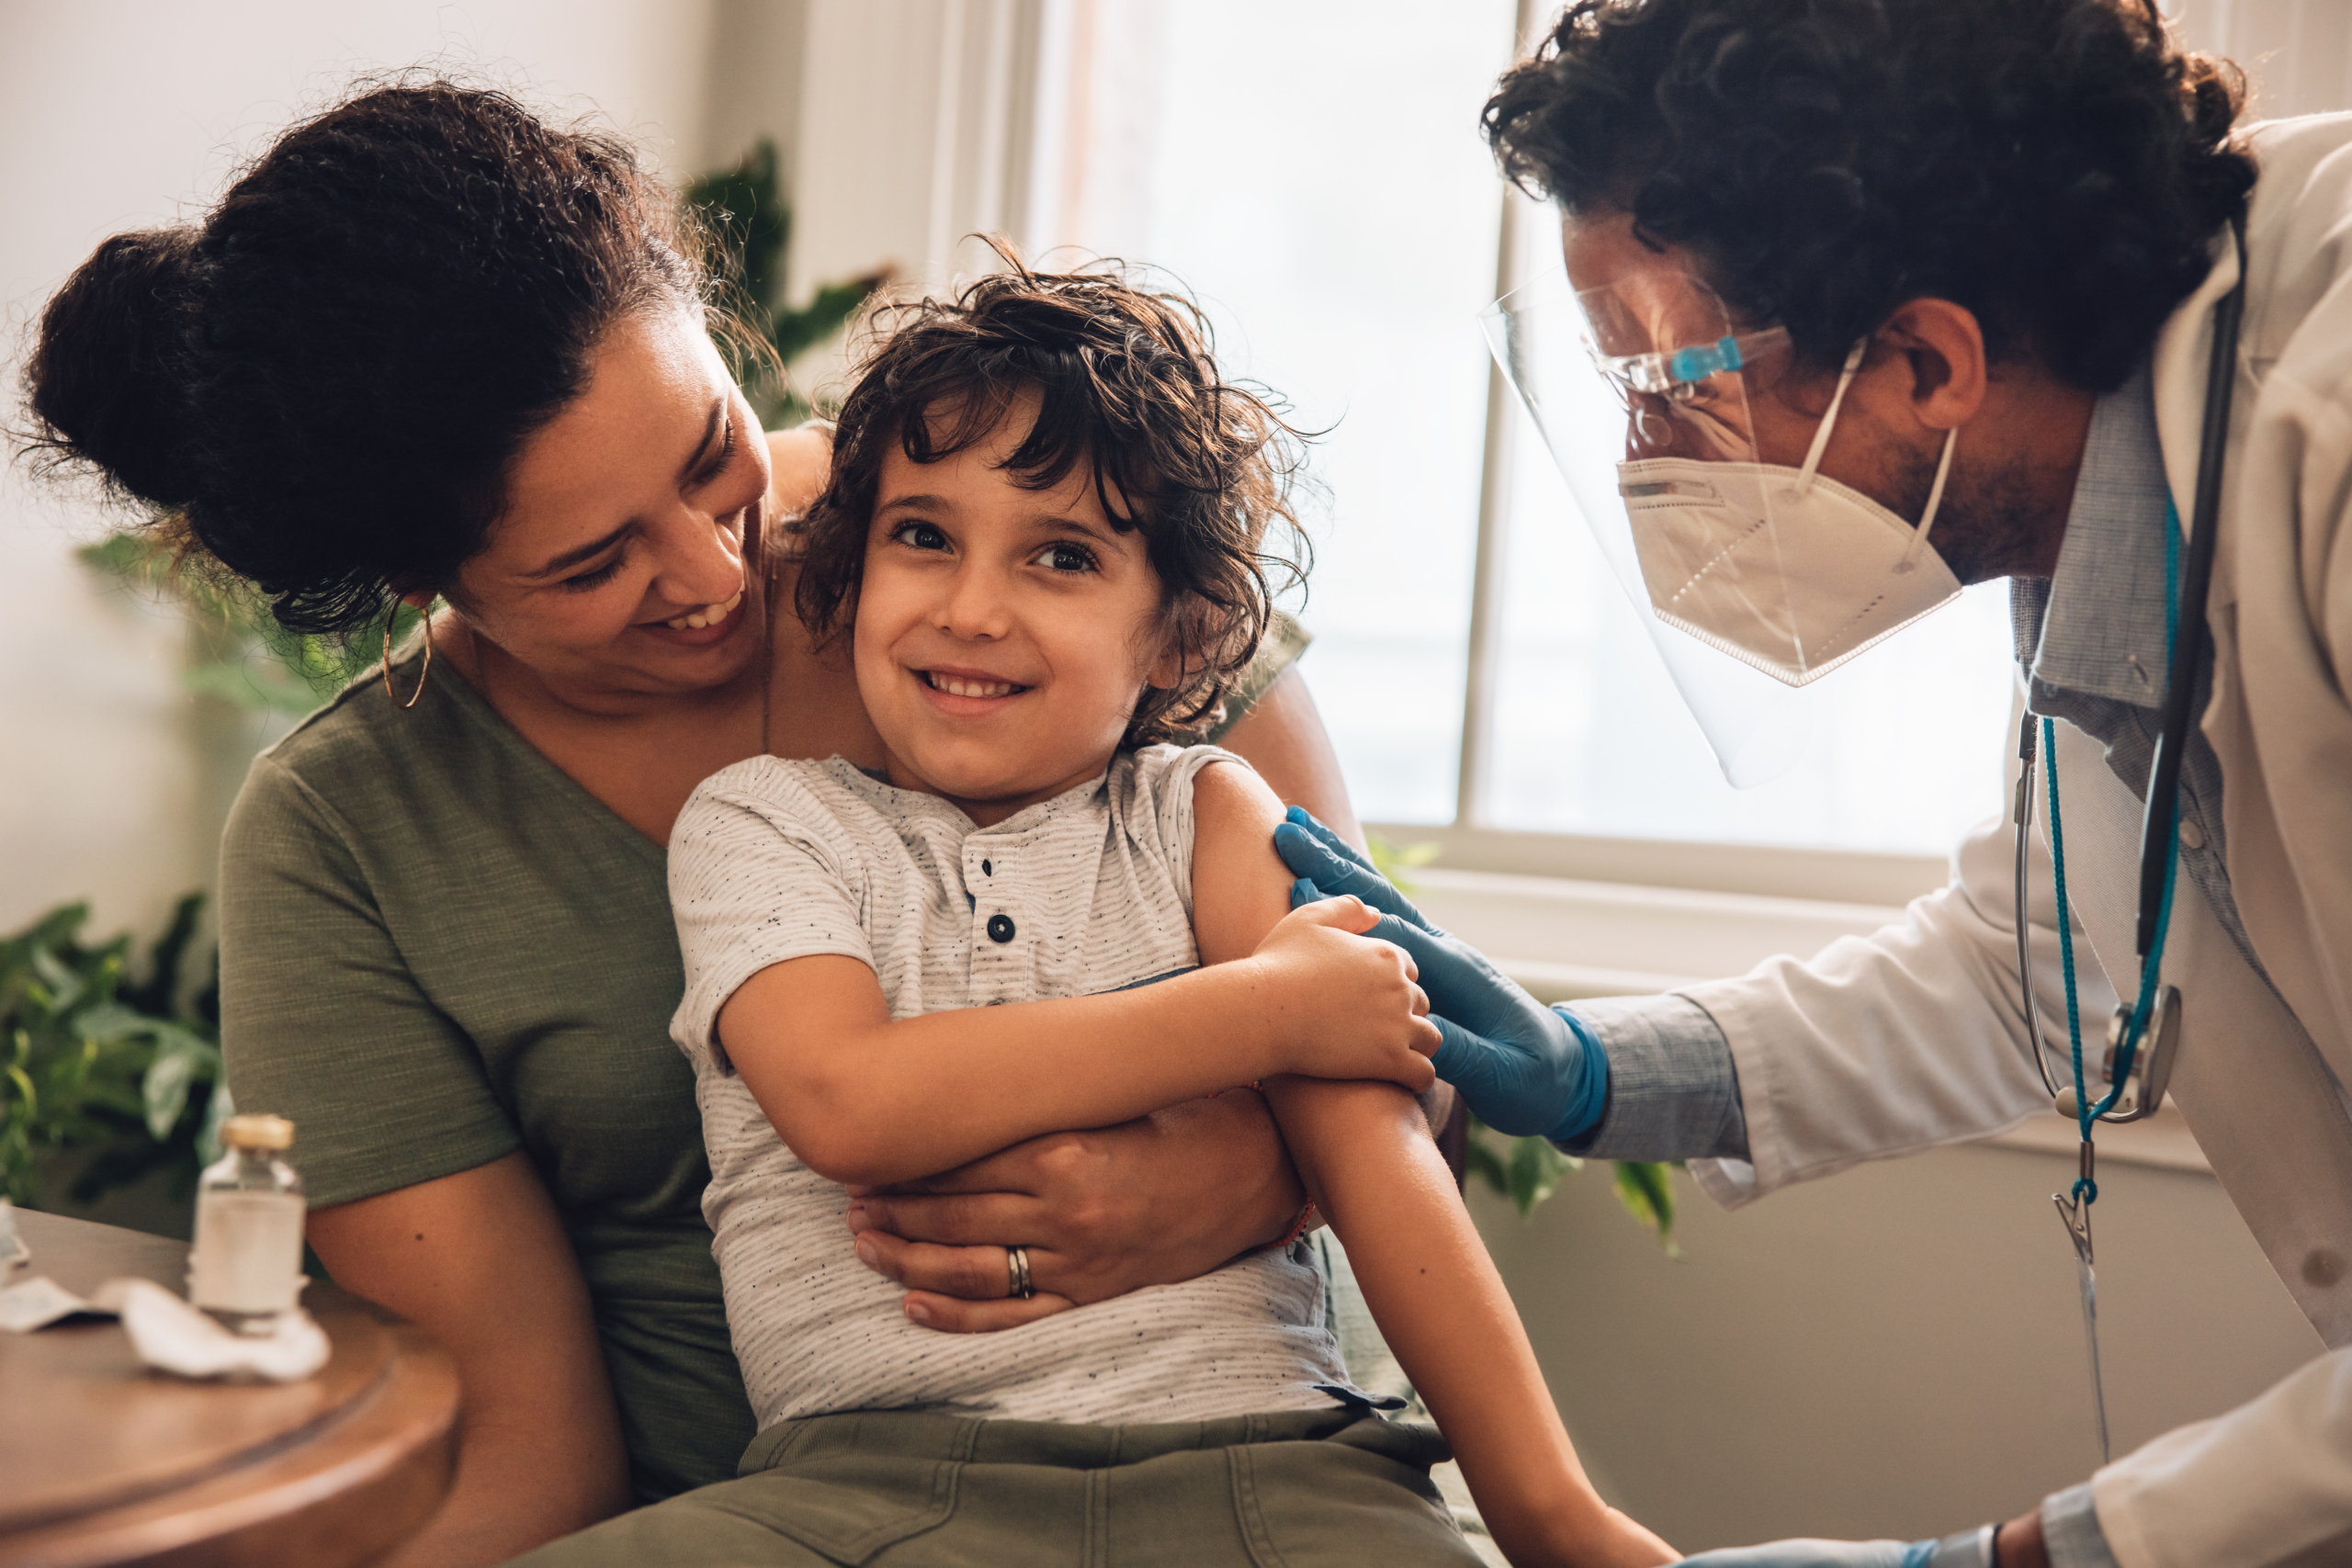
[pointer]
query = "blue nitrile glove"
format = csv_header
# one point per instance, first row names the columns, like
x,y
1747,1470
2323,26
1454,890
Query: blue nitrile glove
x,y
1523,1067
1970,1548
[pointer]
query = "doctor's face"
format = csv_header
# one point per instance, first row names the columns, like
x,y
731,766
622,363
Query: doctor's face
x,y
1644,299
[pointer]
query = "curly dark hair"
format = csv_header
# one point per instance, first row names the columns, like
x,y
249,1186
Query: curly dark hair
x,y
2059,167
1127,385
324,384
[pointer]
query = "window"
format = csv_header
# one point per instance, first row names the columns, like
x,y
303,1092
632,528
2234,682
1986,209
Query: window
x,y
1316,176
1323,189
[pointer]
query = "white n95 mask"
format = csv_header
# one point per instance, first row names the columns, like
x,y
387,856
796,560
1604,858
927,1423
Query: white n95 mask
x,y
1783,568
1752,580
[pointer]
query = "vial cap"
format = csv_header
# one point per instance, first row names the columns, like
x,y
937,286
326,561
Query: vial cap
x,y
257,1133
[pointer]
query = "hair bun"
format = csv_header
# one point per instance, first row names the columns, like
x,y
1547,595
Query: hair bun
x,y
109,371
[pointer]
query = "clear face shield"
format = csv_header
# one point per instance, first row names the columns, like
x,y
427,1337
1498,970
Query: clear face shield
x,y
1753,579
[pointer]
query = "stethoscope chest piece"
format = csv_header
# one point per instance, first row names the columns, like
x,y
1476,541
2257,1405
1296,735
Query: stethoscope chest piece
x,y
2143,1092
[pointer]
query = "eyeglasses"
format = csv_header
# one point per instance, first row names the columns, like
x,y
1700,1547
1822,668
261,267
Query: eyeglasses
x,y
1675,374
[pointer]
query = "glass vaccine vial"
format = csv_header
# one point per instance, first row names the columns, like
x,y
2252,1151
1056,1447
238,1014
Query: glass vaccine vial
x,y
246,1265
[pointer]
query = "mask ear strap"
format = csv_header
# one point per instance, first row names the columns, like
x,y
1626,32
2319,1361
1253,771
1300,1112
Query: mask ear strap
x,y
1934,499
1829,420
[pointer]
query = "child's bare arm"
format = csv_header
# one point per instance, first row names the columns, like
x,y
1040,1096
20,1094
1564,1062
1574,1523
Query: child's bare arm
x,y
863,1098
1365,1154
1368,1164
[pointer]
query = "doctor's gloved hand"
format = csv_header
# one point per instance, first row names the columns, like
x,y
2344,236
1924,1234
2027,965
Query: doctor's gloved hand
x,y
1523,1067
1970,1548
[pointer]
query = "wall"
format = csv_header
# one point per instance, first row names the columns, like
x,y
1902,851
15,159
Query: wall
x,y
1898,1352
131,113
2298,53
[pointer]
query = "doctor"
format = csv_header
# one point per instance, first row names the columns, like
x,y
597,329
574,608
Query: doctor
x,y
1877,297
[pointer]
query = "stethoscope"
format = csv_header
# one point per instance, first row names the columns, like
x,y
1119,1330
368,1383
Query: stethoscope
x,y
2143,1036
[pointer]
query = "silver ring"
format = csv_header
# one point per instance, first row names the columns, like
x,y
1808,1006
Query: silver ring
x,y
1016,1260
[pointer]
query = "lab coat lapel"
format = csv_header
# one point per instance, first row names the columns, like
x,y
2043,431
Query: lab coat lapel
x,y
2249,1082
2280,721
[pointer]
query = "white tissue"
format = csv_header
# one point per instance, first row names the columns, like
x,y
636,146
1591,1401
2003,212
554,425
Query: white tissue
x,y
13,1249
173,1336
35,1303
170,1334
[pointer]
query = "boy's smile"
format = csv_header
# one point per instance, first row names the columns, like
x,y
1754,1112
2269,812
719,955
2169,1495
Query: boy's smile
x,y
1004,634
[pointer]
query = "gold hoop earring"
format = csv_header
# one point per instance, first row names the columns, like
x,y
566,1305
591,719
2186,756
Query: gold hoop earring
x,y
423,674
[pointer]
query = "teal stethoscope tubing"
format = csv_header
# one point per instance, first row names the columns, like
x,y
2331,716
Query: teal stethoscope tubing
x,y
2185,643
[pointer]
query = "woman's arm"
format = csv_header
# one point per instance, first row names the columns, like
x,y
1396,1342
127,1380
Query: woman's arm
x,y
1365,1154
480,1260
862,1097
427,1204
1156,1201
1282,737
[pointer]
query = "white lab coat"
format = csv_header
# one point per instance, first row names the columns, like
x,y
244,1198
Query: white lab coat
x,y
1913,1037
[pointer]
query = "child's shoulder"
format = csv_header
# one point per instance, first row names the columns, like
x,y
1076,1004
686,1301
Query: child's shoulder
x,y
827,794
1153,791
1164,771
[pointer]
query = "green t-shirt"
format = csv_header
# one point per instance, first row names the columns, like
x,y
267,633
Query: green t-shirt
x,y
435,949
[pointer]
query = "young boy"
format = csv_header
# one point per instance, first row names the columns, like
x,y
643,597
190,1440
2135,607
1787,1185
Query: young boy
x,y
1043,537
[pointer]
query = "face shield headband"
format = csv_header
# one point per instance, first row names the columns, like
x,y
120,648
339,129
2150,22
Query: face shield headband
x,y
1752,580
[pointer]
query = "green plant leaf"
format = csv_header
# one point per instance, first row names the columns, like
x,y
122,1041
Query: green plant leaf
x,y
27,1097
96,1060
1530,1171
743,211
247,657
131,558
265,687
1647,1189
208,1137
164,1087
745,221
159,992
1481,1162
1392,861
111,1023
1536,1169
796,331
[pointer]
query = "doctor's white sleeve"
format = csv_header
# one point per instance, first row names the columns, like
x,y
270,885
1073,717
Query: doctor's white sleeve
x,y
2267,1485
1907,1039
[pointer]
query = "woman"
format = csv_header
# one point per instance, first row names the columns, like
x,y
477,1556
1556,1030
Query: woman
x,y
386,365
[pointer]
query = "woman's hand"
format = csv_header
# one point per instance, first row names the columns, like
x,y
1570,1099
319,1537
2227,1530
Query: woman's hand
x,y
1153,1201
1349,1008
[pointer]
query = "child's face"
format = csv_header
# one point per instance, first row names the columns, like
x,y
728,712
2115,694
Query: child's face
x,y
1003,634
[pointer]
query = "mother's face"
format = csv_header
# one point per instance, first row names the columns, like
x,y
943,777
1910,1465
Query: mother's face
x,y
617,567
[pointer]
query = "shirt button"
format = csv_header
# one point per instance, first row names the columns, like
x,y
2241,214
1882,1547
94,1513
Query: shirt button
x,y
2192,837
1000,928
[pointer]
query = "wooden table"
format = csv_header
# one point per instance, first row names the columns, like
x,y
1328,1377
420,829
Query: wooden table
x,y
105,1462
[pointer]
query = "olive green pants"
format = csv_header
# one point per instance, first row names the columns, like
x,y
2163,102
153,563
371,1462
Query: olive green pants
x,y
897,1489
